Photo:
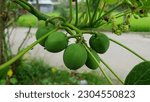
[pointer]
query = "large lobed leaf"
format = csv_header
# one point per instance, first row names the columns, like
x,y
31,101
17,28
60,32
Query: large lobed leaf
x,y
139,75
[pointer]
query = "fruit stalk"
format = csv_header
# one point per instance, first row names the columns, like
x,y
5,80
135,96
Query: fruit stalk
x,y
128,49
110,69
68,30
104,73
73,27
74,36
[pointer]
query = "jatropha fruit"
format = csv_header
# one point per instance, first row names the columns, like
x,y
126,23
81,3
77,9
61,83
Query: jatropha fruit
x,y
99,42
75,56
90,62
56,42
41,32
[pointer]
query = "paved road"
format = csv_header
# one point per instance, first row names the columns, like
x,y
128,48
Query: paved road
x,y
118,58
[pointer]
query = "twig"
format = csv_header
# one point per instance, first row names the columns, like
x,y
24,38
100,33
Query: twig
x,y
26,37
76,2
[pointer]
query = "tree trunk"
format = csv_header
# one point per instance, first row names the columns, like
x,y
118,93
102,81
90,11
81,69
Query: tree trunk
x,y
2,31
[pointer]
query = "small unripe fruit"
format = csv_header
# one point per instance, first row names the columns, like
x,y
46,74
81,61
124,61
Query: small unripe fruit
x,y
41,32
56,42
90,62
75,56
99,43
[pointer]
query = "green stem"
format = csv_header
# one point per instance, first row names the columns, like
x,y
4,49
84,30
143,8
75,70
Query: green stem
x,y
48,21
76,2
71,32
88,9
31,9
104,73
99,24
70,4
73,27
120,4
101,11
128,49
20,54
42,16
74,36
67,29
110,69
123,14
60,18
95,11
22,4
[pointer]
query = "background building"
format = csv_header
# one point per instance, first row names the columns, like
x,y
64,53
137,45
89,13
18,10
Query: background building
x,y
44,5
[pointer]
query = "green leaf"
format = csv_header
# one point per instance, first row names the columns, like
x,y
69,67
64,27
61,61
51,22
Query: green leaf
x,y
3,72
13,81
139,75
2,82
147,4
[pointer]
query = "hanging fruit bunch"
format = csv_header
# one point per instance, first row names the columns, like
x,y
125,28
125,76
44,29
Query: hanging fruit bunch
x,y
75,54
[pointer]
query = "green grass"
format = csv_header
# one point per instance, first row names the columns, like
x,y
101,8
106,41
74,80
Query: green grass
x,y
36,72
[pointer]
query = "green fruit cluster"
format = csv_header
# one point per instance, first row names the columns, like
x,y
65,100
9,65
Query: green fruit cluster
x,y
75,55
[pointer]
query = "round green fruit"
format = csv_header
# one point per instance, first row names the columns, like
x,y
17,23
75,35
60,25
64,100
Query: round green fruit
x,y
41,32
90,62
99,42
56,42
75,56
